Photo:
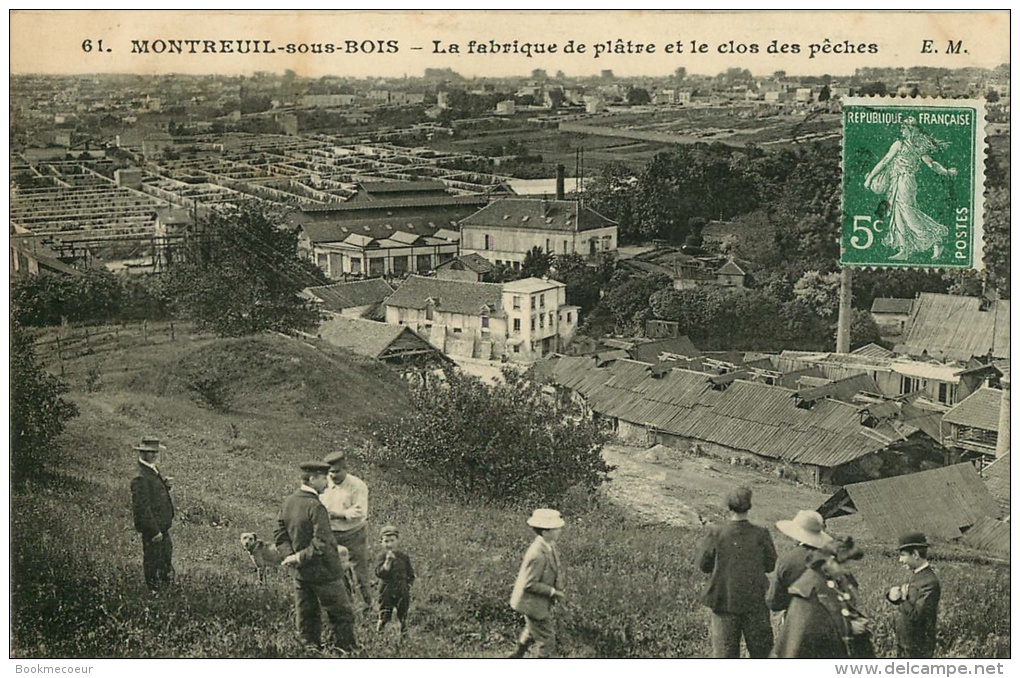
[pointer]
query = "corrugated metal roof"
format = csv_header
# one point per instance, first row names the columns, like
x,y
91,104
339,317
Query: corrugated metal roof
x,y
988,534
649,351
872,351
996,477
949,327
939,503
747,415
979,410
843,389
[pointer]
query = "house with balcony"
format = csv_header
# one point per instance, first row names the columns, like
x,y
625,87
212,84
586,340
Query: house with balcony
x,y
522,320
504,231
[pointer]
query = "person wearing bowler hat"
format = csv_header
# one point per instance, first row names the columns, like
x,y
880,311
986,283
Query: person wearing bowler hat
x,y
917,601
305,541
539,585
153,510
346,501
807,529
739,557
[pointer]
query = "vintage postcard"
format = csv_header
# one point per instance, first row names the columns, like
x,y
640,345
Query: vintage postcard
x,y
508,334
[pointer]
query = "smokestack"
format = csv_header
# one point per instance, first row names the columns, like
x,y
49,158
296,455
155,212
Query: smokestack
x,y
560,192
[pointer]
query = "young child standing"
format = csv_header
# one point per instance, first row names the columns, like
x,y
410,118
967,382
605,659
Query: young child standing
x,y
396,575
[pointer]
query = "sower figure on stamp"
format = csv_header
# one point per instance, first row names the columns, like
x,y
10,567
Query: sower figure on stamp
x,y
917,600
739,557
304,539
346,500
153,510
539,585
910,230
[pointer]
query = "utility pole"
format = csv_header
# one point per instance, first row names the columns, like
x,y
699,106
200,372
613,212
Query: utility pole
x,y
845,310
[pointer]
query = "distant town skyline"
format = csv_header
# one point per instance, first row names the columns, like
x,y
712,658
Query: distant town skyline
x,y
404,43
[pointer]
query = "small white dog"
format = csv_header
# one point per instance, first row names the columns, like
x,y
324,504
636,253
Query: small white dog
x,y
263,556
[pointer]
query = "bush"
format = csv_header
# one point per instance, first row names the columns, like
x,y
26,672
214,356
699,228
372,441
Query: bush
x,y
502,442
38,413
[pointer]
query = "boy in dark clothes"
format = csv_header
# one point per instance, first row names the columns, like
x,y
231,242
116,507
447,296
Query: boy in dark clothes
x,y
396,575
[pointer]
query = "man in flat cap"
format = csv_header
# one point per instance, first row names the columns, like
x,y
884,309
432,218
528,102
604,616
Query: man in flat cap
x,y
153,510
917,601
308,548
346,500
739,557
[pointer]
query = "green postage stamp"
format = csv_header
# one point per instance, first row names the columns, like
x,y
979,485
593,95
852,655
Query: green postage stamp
x,y
913,182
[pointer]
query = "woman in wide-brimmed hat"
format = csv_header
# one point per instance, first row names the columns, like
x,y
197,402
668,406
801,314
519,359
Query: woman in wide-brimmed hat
x,y
807,529
824,620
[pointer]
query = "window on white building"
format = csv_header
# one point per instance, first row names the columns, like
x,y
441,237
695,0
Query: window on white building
x,y
541,301
517,325
517,302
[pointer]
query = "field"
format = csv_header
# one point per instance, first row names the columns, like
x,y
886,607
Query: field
x,y
632,588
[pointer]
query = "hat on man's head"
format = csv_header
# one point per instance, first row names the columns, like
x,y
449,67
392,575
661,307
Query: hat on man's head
x,y
546,519
806,528
150,444
913,540
335,457
389,531
739,500
314,466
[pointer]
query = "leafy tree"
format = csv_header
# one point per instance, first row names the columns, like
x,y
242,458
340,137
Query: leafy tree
x,y
611,192
873,88
584,283
820,291
997,240
992,96
637,96
244,276
824,94
863,329
501,443
38,413
536,263
625,305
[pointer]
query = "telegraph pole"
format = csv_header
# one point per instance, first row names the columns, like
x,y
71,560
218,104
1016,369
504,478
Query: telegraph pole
x,y
845,310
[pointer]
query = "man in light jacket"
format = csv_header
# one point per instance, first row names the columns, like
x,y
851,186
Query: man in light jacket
x,y
539,585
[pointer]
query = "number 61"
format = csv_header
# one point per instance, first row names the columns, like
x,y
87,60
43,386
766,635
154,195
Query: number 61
x,y
869,235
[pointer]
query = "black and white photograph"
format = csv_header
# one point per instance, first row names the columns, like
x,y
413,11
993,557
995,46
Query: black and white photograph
x,y
510,334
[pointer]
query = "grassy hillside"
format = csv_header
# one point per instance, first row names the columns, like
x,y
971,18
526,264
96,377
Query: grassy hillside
x,y
78,589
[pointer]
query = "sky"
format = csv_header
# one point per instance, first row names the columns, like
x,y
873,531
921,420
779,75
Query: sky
x,y
53,41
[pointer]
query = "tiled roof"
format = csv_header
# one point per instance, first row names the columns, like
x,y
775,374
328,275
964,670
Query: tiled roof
x,y
996,477
949,327
343,295
470,262
747,415
978,410
450,296
375,229
549,215
372,339
892,305
938,503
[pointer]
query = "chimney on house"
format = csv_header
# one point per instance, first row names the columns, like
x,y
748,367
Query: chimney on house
x,y
560,192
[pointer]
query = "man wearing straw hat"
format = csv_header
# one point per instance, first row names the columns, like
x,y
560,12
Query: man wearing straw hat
x,y
917,601
807,529
539,585
153,513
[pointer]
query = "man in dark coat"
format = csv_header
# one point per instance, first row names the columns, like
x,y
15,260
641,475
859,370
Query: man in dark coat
x,y
917,600
739,557
305,541
153,513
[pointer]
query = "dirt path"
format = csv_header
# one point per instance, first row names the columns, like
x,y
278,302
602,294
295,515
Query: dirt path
x,y
662,485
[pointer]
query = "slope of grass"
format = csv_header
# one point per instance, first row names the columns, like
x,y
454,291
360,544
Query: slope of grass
x,y
76,560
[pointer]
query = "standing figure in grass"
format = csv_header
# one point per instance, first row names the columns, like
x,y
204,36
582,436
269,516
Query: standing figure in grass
x,y
739,557
304,539
917,601
824,619
396,575
539,585
153,510
346,500
807,529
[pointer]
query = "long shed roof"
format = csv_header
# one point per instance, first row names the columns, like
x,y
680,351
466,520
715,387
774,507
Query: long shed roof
x,y
950,327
